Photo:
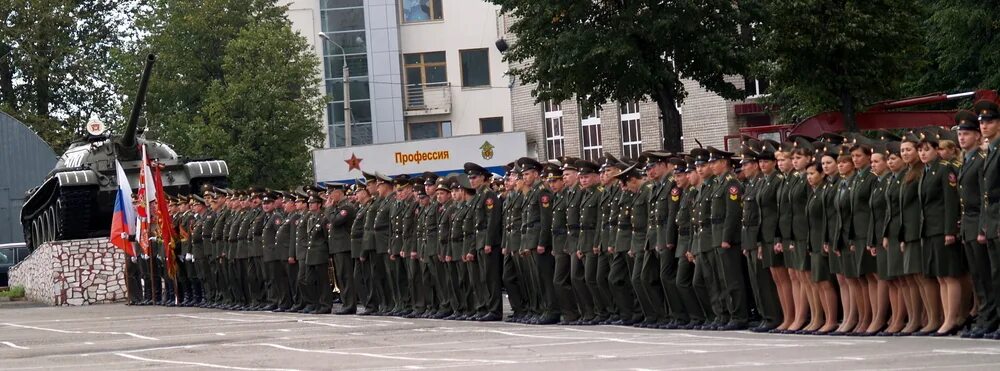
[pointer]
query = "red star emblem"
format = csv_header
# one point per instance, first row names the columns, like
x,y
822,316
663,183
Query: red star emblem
x,y
353,163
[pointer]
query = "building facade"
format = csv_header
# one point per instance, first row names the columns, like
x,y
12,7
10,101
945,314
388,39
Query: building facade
x,y
417,69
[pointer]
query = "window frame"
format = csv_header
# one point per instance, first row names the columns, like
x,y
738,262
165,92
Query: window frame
x,y
433,13
555,143
630,128
590,128
440,129
461,65
482,119
423,65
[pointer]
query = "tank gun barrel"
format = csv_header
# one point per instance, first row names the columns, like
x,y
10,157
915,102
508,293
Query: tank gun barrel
x,y
128,139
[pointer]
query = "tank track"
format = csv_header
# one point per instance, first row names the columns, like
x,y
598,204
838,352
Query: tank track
x,y
73,212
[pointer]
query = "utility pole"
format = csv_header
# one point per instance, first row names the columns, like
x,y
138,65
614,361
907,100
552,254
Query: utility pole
x,y
347,91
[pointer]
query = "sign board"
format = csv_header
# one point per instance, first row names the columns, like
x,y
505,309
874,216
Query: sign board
x,y
442,156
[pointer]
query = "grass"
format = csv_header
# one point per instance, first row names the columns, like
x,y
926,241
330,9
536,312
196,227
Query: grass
x,y
13,292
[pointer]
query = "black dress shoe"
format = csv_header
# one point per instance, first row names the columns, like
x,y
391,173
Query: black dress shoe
x,y
346,311
923,333
547,320
490,317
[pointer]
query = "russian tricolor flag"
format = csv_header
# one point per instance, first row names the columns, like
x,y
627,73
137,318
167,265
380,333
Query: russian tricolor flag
x,y
121,222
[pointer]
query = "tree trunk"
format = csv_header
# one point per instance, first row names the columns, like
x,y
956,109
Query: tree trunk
x,y
7,97
847,110
671,120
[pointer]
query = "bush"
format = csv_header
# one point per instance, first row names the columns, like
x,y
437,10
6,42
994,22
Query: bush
x,y
13,292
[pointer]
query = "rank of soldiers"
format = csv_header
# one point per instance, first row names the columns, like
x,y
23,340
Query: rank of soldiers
x,y
879,234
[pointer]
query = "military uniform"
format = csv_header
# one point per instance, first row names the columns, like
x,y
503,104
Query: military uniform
x,y
621,265
488,219
514,277
970,175
537,232
339,228
314,278
726,219
694,298
275,257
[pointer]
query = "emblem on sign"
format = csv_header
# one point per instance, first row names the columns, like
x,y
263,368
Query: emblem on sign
x,y
487,150
95,127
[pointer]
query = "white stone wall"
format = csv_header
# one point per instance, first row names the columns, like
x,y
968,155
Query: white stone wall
x,y
76,272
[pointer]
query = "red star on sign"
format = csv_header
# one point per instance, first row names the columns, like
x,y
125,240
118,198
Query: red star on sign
x,y
353,163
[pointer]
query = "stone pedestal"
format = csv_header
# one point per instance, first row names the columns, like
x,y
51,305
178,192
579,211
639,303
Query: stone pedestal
x,y
75,272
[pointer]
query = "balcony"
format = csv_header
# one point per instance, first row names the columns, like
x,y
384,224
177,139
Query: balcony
x,y
427,99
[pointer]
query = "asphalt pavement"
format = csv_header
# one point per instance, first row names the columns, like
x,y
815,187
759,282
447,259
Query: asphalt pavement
x,y
119,337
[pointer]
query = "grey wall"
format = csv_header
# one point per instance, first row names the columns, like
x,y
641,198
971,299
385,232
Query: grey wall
x,y
25,160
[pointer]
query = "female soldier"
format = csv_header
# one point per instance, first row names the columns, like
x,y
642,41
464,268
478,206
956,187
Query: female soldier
x,y
878,206
945,259
816,217
770,198
795,246
857,298
899,288
836,241
918,285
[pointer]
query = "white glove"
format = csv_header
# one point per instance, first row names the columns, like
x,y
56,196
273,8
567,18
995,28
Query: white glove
x,y
134,259
189,257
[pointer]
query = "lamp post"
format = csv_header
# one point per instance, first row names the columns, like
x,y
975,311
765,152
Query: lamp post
x,y
347,91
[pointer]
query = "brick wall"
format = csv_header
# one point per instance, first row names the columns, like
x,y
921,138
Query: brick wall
x,y
75,272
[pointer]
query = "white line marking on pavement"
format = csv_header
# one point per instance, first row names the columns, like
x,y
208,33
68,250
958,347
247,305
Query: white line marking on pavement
x,y
137,336
617,340
988,351
326,324
372,355
221,333
232,319
199,364
12,345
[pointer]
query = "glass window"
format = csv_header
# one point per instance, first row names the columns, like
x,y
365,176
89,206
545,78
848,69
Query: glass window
x,y
352,41
360,134
590,131
428,130
491,125
425,68
361,127
359,89
349,19
332,4
357,65
554,139
420,10
755,86
630,130
475,67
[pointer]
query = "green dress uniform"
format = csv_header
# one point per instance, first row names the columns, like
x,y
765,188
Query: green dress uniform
x,y
600,269
514,274
795,234
469,270
769,199
256,282
285,240
726,227
488,214
577,270
239,234
817,224
339,224
880,215
621,264
667,206
941,214
531,237
839,216
373,267
761,191
537,229
645,273
411,294
362,282
989,219
314,284
447,272
275,258
197,263
911,222
894,225
219,236
694,299
461,301
383,266
560,276
969,177
585,269
401,215
705,257
862,219
209,263
427,241
301,239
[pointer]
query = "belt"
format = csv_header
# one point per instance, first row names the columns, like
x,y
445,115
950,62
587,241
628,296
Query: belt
x,y
587,228
607,228
558,231
684,231
573,226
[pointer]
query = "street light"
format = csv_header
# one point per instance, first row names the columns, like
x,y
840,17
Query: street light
x,y
347,92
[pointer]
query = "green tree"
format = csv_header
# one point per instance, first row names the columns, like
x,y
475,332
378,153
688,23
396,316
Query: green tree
x,y
962,50
627,50
838,54
232,81
55,62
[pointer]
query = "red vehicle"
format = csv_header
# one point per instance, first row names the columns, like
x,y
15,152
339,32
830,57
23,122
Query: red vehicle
x,y
881,115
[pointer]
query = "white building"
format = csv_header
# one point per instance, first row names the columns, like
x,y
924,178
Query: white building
x,y
417,68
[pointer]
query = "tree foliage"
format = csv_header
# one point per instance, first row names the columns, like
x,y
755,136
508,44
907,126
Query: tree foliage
x,y
55,62
627,50
961,39
232,81
838,54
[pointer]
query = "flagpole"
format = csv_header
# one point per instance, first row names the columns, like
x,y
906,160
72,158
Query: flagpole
x,y
128,291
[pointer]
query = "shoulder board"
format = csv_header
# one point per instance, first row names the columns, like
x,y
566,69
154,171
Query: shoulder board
x,y
729,176
781,176
600,188
943,162
649,185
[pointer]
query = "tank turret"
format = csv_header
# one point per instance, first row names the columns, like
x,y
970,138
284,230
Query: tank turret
x,y
76,200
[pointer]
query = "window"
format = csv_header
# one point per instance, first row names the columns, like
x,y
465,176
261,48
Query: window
x,y
420,10
590,131
425,68
554,139
428,130
475,67
343,21
630,127
755,87
491,125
